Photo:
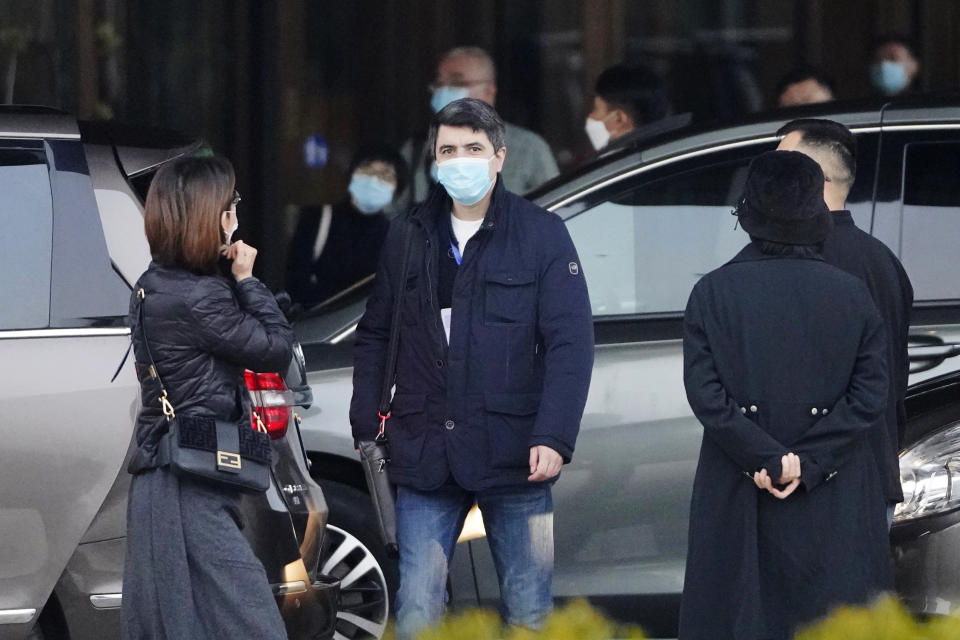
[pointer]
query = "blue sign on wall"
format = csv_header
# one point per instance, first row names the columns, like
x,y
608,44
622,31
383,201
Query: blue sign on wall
x,y
315,152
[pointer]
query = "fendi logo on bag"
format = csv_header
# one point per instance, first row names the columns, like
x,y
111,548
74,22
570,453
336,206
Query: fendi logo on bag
x,y
227,461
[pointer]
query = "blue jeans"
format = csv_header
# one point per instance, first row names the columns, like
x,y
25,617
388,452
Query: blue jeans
x,y
519,526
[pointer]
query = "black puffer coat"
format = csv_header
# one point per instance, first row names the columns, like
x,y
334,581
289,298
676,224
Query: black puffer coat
x,y
204,331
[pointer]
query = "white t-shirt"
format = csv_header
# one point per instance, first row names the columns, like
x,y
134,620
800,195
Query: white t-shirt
x,y
463,230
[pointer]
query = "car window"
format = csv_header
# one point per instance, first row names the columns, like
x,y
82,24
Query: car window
x,y
645,247
930,232
26,220
85,289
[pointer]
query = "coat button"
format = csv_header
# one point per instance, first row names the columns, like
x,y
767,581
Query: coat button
x,y
743,409
814,411
449,424
753,408
826,411
439,364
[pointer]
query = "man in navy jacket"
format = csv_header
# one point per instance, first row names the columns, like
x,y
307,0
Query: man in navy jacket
x,y
495,356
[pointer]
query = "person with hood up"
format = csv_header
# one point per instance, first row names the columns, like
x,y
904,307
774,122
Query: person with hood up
x,y
785,367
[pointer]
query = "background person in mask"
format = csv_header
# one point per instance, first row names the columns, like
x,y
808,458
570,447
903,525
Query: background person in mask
x,y
488,403
895,66
335,246
627,100
469,72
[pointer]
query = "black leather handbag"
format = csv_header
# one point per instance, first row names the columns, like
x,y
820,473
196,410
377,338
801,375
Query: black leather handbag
x,y
375,454
228,453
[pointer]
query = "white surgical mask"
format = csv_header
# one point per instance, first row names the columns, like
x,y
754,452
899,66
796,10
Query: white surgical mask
x,y
229,234
467,180
442,96
597,132
889,77
370,193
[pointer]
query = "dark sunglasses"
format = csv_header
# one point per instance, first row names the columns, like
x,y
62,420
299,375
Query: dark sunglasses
x,y
236,198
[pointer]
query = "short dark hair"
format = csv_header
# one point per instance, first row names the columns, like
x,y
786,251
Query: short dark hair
x,y
473,113
802,73
382,153
896,38
635,89
182,213
829,135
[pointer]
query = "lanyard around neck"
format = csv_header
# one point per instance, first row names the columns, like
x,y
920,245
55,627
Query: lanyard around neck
x,y
455,251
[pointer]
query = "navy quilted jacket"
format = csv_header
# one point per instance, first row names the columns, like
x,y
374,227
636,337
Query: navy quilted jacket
x,y
517,368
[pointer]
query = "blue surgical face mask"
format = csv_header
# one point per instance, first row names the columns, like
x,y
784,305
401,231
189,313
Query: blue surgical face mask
x,y
442,96
467,180
371,194
889,77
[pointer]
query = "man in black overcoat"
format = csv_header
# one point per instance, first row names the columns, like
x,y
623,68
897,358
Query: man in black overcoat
x,y
834,148
785,367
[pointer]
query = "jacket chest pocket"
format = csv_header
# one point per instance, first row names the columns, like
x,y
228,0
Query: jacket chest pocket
x,y
510,297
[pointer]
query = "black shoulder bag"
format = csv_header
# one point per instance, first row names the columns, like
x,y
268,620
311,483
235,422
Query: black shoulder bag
x,y
375,454
230,454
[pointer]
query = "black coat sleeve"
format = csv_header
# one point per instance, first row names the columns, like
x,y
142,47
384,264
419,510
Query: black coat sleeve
x,y
902,366
246,327
565,324
828,443
744,442
373,336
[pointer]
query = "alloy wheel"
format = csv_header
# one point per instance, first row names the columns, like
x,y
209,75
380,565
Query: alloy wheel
x,y
364,601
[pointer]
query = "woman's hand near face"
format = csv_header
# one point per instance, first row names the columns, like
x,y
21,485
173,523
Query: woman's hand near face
x,y
243,256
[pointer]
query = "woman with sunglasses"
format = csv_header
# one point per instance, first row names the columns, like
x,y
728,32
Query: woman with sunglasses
x,y
189,572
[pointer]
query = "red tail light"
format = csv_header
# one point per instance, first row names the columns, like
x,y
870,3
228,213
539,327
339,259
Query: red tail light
x,y
271,401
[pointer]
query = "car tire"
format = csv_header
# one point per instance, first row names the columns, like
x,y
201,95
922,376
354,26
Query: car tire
x,y
353,552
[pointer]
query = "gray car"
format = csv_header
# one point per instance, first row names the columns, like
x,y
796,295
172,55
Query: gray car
x,y
648,221
71,244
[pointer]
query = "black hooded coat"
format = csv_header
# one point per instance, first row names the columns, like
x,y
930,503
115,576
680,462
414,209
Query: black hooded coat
x,y
782,354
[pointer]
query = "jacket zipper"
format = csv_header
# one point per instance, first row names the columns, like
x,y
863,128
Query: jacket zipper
x,y
438,336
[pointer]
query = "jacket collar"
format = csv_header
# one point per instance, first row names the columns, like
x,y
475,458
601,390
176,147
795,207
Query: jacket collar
x,y
842,218
439,203
752,253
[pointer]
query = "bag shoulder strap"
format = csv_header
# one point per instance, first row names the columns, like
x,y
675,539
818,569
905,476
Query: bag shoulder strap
x,y
390,370
326,217
163,399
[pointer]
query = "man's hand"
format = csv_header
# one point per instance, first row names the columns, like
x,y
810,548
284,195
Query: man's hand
x,y
790,468
763,481
545,463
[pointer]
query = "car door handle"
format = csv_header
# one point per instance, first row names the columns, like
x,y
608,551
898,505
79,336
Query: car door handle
x,y
922,353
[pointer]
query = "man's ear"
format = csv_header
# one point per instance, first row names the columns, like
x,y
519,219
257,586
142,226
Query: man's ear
x,y
501,156
622,120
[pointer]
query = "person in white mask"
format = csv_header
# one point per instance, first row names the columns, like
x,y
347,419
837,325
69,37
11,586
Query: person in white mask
x,y
469,72
337,245
626,99
494,351
894,67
